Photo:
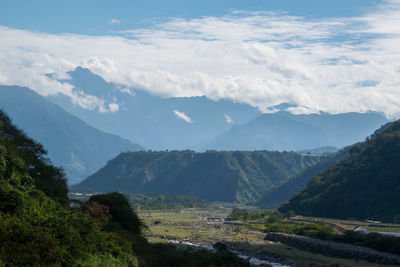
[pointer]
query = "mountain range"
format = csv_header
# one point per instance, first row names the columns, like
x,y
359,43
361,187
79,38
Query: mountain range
x,y
154,122
71,143
201,124
293,132
237,176
82,140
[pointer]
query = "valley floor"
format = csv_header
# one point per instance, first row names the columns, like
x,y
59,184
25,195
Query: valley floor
x,y
199,227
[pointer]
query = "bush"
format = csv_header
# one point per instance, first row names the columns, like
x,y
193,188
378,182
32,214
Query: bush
x,y
122,214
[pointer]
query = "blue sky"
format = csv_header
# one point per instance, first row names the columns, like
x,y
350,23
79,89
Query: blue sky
x,y
92,16
331,56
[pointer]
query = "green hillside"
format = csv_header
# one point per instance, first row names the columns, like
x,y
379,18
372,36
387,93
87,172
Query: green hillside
x,y
365,185
299,181
36,226
214,176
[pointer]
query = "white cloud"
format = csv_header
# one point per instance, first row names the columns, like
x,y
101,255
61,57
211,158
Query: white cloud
x,y
263,59
114,21
228,119
3,79
182,116
113,107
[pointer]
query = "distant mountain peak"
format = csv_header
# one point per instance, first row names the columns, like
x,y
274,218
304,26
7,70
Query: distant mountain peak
x,y
140,112
90,83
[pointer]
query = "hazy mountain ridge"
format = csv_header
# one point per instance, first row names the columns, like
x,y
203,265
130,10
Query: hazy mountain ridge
x,y
285,131
215,176
151,120
72,144
201,124
365,185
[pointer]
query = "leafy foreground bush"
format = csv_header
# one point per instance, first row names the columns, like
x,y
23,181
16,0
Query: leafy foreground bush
x,y
37,228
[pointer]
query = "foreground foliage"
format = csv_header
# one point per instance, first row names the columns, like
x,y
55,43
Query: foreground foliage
x,y
36,227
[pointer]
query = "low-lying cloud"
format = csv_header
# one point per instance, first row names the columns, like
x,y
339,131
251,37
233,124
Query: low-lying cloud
x,y
182,116
114,21
260,58
228,119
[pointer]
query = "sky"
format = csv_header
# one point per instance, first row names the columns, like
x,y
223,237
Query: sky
x,y
332,56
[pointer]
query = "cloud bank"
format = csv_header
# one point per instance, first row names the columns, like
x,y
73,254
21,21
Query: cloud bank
x,y
260,58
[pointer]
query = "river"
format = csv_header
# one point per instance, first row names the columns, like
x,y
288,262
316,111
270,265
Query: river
x,y
252,260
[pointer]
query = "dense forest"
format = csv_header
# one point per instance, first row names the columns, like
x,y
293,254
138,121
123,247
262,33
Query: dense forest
x,y
299,181
152,201
38,228
237,176
365,185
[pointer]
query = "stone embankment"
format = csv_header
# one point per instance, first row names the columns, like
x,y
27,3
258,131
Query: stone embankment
x,y
334,249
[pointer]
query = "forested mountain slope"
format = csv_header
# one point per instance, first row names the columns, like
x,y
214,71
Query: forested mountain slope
x,y
217,176
366,184
299,181
36,226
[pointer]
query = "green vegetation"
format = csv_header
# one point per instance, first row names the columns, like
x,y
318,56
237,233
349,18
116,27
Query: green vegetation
x,y
154,201
272,221
373,240
249,215
313,230
365,185
192,225
122,216
239,176
22,156
37,228
299,181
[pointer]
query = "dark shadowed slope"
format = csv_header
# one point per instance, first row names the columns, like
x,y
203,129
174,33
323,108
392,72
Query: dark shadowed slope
x,y
299,181
364,185
72,144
